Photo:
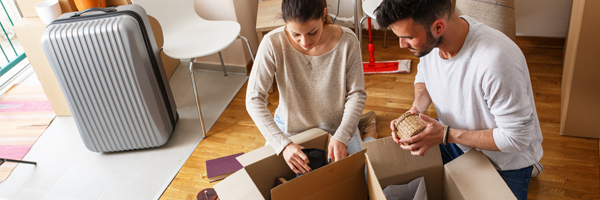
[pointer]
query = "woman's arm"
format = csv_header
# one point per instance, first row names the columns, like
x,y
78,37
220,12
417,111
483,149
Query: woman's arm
x,y
260,80
355,102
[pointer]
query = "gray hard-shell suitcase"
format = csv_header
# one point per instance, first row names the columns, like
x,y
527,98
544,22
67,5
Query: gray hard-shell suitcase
x,y
109,68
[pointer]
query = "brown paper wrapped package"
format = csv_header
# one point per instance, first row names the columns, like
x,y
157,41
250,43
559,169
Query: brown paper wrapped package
x,y
408,125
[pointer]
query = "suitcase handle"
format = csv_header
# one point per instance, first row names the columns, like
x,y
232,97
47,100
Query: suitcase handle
x,y
106,10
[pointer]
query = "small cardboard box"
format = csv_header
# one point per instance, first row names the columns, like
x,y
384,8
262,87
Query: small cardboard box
x,y
470,176
29,30
27,7
344,179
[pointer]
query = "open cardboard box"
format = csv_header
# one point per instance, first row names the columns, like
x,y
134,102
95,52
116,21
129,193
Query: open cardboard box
x,y
344,179
471,176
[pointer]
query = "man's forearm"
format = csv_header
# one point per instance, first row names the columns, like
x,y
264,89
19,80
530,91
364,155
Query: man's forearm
x,y
481,139
422,98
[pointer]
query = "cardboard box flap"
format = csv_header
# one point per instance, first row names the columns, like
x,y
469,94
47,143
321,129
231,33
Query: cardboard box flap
x,y
375,191
472,176
393,165
313,138
264,172
263,166
390,160
256,155
345,180
238,184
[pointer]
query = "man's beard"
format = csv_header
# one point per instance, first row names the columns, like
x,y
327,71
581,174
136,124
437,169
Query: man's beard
x,y
432,42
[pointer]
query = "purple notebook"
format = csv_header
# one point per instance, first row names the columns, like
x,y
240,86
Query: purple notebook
x,y
220,168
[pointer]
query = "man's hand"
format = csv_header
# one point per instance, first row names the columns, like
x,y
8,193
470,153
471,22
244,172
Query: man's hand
x,y
336,150
431,136
393,127
296,159
414,110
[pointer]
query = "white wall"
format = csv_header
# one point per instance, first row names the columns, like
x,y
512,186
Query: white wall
x,y
542,18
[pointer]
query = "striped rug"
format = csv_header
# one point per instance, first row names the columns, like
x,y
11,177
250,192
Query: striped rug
x,y
25,113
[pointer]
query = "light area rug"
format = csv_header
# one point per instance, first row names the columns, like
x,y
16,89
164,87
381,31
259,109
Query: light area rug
x,y
25,113
67,170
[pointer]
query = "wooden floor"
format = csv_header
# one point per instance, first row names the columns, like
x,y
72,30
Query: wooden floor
x,y
571,165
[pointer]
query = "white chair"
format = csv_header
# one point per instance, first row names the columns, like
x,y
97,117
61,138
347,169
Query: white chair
x,y
368,8
187,35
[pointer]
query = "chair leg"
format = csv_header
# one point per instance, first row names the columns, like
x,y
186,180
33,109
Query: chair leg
x,y
222,64
360,31
197,98
252,56
247,45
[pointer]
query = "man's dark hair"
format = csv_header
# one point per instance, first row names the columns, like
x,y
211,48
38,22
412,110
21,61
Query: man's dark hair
x,y
303,10
424,12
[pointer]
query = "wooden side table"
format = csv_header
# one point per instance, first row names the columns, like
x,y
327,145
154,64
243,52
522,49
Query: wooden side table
x,y
268,17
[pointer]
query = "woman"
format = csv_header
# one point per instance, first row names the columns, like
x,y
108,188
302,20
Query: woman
x,y
318,69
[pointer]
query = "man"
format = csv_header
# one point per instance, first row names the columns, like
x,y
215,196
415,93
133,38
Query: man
x,y
478,81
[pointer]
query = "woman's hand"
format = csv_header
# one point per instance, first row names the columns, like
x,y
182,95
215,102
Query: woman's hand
x,y
336,150
296,159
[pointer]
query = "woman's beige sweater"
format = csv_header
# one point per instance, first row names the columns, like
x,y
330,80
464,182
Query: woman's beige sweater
x,y
330,96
